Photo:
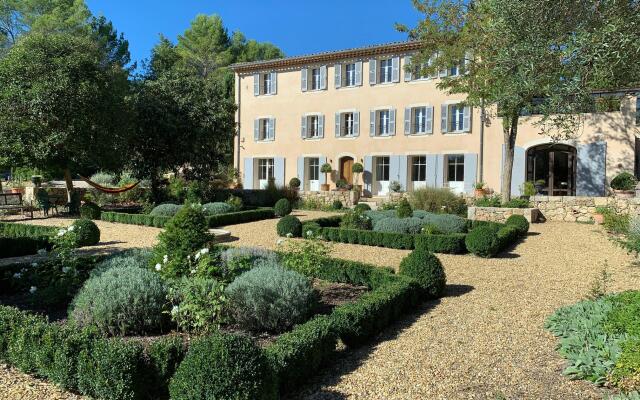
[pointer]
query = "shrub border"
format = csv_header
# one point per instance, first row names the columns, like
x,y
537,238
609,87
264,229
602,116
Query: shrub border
x,y
213,220
18,240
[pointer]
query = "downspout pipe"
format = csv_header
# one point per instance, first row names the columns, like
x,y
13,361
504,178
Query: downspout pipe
x,y
483,118
238,122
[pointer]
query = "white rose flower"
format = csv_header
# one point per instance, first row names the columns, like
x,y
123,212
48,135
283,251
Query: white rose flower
x,y
61,232
158,267
42,252
17,275
165,258
197,256
204,251
65,270
70,229
33,289
174,310
193,271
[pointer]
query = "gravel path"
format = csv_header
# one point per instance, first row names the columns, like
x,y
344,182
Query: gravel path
x,y
484,341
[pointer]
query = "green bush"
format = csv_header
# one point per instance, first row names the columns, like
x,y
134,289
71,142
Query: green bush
x,y
356,219
294,183
520,223
183,236
517,203
240,217
270,298
166,210
399,225
122,300
507,235
616,223
163,355
282,208
135,219
216,208
431,229
446,223
362,207
129,258
14,230
483,241
625,315
311,230
87,232
626,373
489,201
437,200
427,270
228,367
624,181
289,226
197,304
337,205
90,211
390,240
404,209
453,243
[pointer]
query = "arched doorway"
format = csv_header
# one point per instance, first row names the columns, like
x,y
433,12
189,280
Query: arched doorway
x,y
555,164
346,172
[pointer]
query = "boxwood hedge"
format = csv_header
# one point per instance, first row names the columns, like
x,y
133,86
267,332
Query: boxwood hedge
x,y
213,220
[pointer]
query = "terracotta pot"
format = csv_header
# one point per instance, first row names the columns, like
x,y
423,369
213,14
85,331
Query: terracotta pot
x,y
17,190
598,219
479,193
324,187
625,194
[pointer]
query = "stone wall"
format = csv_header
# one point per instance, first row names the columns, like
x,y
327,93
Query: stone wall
x,y
497,214
582,209
348,198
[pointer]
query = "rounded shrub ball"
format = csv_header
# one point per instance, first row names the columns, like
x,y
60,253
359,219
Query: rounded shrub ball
x,y
270,298
87,232
216,208
362,207
404,209
483,241
90,210
282,207
294,183
520,223
166,210
425,268
123,300
228,366
337,205
289,225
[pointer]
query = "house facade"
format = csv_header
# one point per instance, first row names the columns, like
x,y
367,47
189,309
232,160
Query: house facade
x,y
363,106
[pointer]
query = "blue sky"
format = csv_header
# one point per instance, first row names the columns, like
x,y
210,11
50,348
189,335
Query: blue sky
x,y
297,27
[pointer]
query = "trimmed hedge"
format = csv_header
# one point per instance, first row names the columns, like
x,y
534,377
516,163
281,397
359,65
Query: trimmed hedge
x,y
427,270
446,244
18,240
520,222
12,229
157,221
213,220
289,225
369,238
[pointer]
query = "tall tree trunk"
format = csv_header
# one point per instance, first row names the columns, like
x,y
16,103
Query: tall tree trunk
x,y
69,181
510,132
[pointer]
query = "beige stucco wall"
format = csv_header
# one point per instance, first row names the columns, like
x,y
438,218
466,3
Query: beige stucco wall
x,y
291,103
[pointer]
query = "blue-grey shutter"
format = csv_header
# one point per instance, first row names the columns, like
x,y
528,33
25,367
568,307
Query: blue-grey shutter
x,y
338,125
429,119
392,122
278,170
272,129
439,170
518,172
367,175
323,176
444,118
256,130
395,69
303,74
372,123
303,127
407,121
394,168
407,71
323,77
431,169
466,119
301,172
359,73
338,75
256,84
402,171
373,72
470,171
248,173
321,125
356,123
591,172
274,83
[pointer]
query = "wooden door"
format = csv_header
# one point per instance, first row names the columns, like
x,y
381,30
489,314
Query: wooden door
x,y
346,173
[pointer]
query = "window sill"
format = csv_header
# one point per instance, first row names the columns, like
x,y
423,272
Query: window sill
x,y
266,95
382,136
315,91
424,80
348,87
418,135
385,84
265,141
312,139
350,137
456,133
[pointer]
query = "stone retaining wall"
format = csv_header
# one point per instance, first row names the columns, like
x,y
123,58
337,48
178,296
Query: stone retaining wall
x,y
582,209
497,214
348,198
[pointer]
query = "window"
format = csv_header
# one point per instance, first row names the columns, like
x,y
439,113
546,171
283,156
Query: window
x,y
382,168
454,71
266,83
264,129
419,168
386,71
456,118
347,124
265,169
383,123
315,79
350,75
455,168
313,125
314,169
420,120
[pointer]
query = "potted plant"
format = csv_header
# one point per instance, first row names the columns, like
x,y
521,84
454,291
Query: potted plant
x,y
598,217
539,185
357,169
395,186
294,183
36,180
479,189
16,187
624,185
341,184
326,169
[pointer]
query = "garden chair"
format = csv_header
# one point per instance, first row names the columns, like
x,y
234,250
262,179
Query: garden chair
x,y
42,197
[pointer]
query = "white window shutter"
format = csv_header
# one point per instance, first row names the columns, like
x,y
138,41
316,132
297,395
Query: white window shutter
x,y
338,75
274,83
429,119
338,125
272,128
256,84
407,121
372,123
303,127
444,118
359,73
407,71
466,120
304,73
395,69
323,77
321,124
256,130
392,122
356,123
373,71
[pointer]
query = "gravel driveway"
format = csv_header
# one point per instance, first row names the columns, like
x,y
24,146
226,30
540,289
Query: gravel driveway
x,y
484,341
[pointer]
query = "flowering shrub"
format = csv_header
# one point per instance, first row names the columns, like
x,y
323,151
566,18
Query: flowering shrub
x,y
197,304
356,219
304,256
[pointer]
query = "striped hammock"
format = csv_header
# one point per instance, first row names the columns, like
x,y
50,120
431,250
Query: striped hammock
x,y
105,189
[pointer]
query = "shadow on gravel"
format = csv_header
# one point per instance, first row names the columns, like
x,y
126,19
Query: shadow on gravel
x,y
348,360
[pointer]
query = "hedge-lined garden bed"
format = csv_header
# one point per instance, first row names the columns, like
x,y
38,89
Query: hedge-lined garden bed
x,y
160,221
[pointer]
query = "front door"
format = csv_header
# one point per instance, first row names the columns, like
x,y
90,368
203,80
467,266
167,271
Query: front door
x,y
313,169
382,175
553,166
346,171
